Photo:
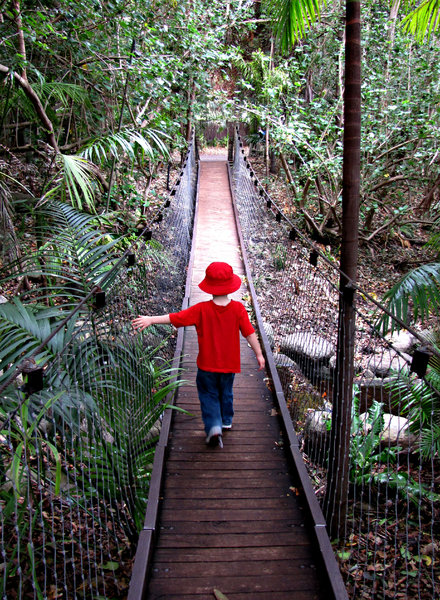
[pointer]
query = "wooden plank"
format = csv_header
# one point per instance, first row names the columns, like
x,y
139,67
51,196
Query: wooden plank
x,y
235,540
221,527
285,567
286,503
231,555
299,595
265,583
250,482
208,514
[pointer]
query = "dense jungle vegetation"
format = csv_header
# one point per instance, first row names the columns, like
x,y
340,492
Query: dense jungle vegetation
x,y
98,103
95,96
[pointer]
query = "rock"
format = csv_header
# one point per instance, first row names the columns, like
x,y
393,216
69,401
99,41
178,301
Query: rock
x,y
403,341
281,360
317,422
382,365
3,300
308,345
395,431
269,332
317,434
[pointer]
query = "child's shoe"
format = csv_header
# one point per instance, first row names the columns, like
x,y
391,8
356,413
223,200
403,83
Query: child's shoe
x,y
214,437
229,426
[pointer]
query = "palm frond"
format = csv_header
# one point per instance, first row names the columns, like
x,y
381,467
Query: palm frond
x,y
63,92
292,18
76,240
22,330
415,297
127,141
423,21
78,181
75,256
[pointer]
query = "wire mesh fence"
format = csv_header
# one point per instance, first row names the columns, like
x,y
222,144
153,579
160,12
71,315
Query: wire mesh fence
x,y
81,411
389,547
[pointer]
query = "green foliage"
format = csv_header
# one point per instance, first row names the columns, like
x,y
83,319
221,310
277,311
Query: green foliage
x,y
77,177
128,141
419,400
74,254
424,20
367,457
415,297
280,257
292,18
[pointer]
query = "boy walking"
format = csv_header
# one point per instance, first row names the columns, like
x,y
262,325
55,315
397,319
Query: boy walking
x,y
218,323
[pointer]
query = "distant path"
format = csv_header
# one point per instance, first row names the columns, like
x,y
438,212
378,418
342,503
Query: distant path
x,y
229,517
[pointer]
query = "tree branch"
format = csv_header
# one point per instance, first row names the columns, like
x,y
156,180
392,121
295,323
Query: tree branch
x,y
36,102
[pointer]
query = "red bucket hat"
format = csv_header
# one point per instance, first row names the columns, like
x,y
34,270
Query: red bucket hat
x,y
220,280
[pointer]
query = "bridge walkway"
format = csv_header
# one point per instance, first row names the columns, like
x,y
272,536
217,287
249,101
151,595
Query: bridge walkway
x,y
230,519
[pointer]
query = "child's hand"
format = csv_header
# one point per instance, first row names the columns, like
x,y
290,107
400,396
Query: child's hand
x,y
142,322
261,362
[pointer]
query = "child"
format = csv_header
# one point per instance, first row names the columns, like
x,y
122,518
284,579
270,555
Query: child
x,y
218,324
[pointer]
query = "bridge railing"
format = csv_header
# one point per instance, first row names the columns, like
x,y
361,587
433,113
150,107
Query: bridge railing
x,y
81,412
390,544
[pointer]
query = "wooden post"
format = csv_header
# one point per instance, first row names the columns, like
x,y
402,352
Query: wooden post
x,y
335,503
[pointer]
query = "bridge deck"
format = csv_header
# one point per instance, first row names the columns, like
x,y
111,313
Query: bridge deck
x,y
230,518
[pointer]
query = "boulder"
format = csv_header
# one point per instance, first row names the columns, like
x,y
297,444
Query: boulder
x,y
281,360
317,422
402,341
3,300
382,365
307,345
317,434
270,334
395,431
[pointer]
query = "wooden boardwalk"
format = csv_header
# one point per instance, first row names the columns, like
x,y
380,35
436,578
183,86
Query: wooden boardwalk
x,y
230,519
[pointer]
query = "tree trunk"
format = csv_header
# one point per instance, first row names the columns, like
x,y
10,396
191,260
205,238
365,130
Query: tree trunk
x,y
273,163
191,100
39,109
335,503
288,173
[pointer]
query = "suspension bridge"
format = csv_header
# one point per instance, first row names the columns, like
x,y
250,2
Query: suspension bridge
x,y
95,473
234,519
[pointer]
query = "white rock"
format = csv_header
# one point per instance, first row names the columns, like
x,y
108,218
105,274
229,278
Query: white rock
x,y
402,341
383,364
316,422
3,300
307,344
395,431
269,332
281,360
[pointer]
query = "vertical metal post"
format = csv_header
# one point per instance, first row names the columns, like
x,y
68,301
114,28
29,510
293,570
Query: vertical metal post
x,y
335,503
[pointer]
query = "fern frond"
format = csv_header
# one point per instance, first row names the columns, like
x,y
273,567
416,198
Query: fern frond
x,y
423,21
292,18
415,297
125,142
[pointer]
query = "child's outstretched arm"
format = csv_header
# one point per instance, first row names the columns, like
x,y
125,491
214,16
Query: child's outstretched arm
x,y
255,345
144,321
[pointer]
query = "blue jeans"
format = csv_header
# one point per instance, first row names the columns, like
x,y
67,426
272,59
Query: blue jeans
x,y
216,398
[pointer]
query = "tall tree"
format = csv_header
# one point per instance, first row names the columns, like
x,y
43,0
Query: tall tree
x,y
292,18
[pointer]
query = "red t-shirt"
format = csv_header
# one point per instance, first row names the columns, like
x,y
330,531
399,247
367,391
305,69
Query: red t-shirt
x,y
218,331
